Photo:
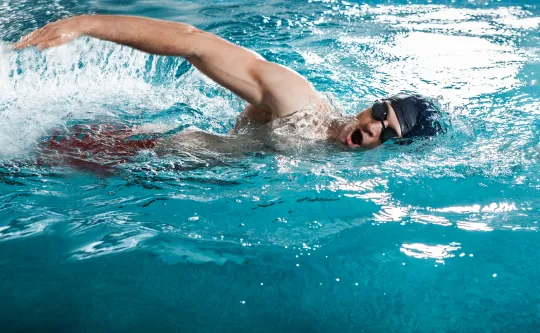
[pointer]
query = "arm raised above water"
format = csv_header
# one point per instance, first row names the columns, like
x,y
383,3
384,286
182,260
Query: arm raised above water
x,y
266,85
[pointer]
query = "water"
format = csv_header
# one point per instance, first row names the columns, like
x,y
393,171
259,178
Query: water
x,y
439,236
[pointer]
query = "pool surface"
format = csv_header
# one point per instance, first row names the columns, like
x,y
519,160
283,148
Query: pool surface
x,y
437,236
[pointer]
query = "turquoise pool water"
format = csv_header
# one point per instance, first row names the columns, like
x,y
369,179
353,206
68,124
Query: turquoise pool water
x,y
438,236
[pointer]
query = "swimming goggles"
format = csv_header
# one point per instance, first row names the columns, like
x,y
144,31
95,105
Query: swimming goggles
x,y
379,111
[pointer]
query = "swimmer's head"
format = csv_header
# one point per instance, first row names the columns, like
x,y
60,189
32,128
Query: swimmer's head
x,y
399,117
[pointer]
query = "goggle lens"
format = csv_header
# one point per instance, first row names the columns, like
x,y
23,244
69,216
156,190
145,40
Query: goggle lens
x,y
379,111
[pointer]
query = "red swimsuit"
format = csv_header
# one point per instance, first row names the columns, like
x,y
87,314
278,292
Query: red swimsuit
x,y
93,147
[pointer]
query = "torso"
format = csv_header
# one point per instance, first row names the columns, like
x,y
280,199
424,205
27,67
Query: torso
x,y
257,129
311,122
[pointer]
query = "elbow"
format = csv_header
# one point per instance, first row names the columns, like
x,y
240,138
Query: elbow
x,y
176,39
194,42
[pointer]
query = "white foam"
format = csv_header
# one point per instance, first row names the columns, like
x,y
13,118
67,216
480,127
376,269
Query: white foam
x,y
92,80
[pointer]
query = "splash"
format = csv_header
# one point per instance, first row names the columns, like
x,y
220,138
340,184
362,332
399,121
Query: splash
x,y
90,80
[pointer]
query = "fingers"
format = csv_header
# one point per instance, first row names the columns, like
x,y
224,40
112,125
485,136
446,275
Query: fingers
x,y
44,41
23,42
48,32
50,43
28,40
53,34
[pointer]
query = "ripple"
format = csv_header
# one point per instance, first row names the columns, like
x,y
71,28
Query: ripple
x,y
28,226
112,243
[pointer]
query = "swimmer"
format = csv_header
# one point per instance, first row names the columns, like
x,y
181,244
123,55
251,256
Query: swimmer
x,y
281,103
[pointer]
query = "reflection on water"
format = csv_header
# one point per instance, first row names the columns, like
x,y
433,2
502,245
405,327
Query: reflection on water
x,y
423,251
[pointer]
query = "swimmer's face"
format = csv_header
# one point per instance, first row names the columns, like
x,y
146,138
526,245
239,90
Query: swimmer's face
x,y
364,131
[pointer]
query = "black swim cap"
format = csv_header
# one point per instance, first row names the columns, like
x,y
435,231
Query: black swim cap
x,y
418,116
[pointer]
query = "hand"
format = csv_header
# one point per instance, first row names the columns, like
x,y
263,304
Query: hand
x,y
54,34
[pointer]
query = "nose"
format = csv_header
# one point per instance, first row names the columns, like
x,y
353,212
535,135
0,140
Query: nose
x,y
373,129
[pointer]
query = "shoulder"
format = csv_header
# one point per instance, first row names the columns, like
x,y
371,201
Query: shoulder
x,y
252,116
284,90
311,103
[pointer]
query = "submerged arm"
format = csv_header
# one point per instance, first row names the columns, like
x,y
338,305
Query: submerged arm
x,y
266,85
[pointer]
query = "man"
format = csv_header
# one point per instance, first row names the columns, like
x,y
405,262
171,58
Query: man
x,y
281,102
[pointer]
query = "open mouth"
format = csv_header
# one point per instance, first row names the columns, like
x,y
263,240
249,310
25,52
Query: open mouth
x,y
356,137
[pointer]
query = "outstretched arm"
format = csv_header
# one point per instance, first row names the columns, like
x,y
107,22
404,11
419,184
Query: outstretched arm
x,y
266,85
